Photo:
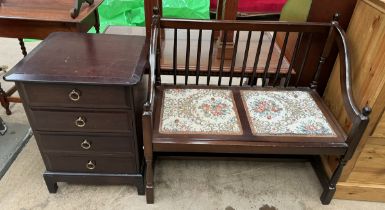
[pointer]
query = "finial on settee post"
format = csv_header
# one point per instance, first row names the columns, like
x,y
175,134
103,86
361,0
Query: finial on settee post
x,y
155,16
366,111
155,11
336,17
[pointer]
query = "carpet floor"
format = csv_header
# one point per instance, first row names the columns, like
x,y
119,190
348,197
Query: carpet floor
x,y
179,184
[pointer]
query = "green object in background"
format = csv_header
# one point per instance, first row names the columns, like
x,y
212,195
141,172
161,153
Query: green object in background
x,y
296,10
121,13
188,9
131,12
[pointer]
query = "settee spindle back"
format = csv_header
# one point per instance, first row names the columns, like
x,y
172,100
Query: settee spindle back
x,y
269,74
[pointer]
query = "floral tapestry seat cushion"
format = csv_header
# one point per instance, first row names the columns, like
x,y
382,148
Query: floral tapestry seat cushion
x,y
284,113
269,113
199,111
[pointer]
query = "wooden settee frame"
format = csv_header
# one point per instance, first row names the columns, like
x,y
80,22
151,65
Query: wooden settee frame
x,y
342,146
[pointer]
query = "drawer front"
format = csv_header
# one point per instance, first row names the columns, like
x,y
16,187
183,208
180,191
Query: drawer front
x,y
86,143
83,121
90,164
55,95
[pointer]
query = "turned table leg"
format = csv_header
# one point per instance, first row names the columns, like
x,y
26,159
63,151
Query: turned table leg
x,y
22,46
3,127
4,95
97,21
4,101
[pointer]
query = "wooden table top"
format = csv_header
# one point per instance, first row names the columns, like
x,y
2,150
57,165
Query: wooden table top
x,y
66,57
44,10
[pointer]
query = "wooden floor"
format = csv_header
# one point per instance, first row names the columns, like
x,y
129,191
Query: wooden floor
x,y
168,45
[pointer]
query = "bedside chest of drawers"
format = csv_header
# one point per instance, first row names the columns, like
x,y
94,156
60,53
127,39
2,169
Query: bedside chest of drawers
x,y
83,95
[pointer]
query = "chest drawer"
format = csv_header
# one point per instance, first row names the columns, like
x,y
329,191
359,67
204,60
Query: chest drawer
x,y
60,142
56,95
82,121
90,164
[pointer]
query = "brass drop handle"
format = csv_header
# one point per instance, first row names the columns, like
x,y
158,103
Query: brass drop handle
x,y
91,165
80,122
74,95
86,144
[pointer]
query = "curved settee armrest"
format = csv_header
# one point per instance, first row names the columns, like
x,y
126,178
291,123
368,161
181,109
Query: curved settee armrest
x,y
149,104
359,118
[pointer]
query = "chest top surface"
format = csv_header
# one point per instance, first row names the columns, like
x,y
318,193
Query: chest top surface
x,y
85,59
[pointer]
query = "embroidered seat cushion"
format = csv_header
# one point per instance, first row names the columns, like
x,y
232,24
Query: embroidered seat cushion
x,y
284,113
199,111
269,113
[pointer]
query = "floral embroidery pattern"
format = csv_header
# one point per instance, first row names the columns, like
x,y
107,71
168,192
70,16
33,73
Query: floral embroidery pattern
x,y
283,113
199,111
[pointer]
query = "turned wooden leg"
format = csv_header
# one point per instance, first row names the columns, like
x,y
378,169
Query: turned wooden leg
x,y
51,184
330,190
22,46
4,101
97,22
149,181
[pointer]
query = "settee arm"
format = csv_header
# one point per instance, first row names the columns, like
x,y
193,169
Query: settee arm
x,y
359,118
148,107
149,104
345,72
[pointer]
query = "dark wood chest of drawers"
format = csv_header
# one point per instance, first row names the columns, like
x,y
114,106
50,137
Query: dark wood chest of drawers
x,y
83,95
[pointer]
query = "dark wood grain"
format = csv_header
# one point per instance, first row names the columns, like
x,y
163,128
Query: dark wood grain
x,y
187,63
78,164
281,59
51,178
198,66
223,50
88,52
253,79
210,60
294,58
234,58
99,143
107,146
95,120
247,48
268,61
175,54
59,95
